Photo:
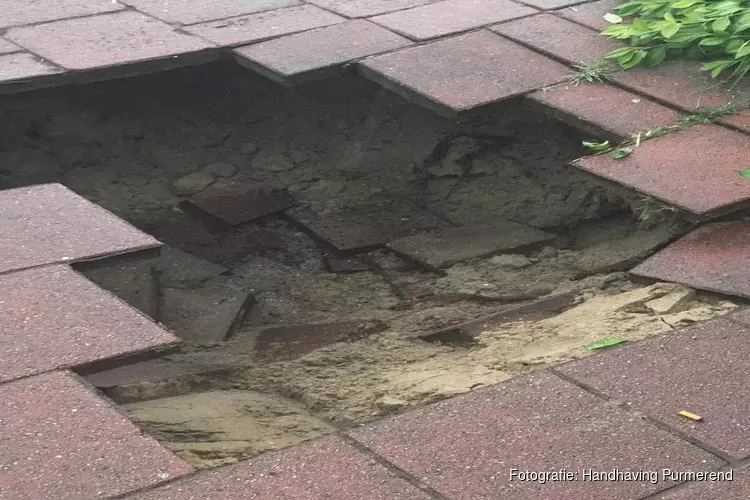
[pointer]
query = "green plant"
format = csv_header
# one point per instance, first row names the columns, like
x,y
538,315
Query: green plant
x,y
596,147
590,72
714,30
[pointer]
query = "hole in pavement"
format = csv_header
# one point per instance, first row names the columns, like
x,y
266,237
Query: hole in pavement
x,y
333,254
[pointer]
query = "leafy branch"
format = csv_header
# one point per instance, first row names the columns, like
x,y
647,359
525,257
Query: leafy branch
x,y
658,30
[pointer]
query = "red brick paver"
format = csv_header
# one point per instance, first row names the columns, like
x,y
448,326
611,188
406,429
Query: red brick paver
x,y
54,318
739,120
464,72
199,11
21,65
303,55
107,40
451,16
736,489
695,169
366,8
258,27
49,223
681,84
695,369
326,469
604,109
559,38
465,447
590,14
710,258
16,13
62,441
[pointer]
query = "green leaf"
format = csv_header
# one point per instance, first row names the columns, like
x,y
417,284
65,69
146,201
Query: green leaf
x,y
655,56
604,343
639,25
596,147
628,9
617,53
633,60
721,24
683,4
744,172
712,41
670,30
743,50
612,18
620,153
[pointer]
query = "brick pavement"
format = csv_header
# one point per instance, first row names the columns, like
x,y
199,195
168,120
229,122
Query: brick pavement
x,y
613,411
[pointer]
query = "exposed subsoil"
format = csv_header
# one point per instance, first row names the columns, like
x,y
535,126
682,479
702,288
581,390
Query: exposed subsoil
x,y
140,147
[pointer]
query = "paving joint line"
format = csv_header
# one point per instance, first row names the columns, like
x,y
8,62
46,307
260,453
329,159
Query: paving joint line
x,y
728,459
396,470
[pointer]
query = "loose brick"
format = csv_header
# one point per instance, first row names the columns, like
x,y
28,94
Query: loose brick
x,y
134,283
465,447
198,11
314,53
178,269
709,258
239,203
155,378
258,27
55,318
451,16
464,72
367,8
695,169
292,342
20,13
61,441
693,369
439,249
325,469
559,38
49,223
365,226
210,313
604,110
108,40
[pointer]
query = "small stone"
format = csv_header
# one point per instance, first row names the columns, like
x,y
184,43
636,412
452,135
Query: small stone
x,y
134,180
390,403
673,302
221,169
299,155
510,261
194,182
249,148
